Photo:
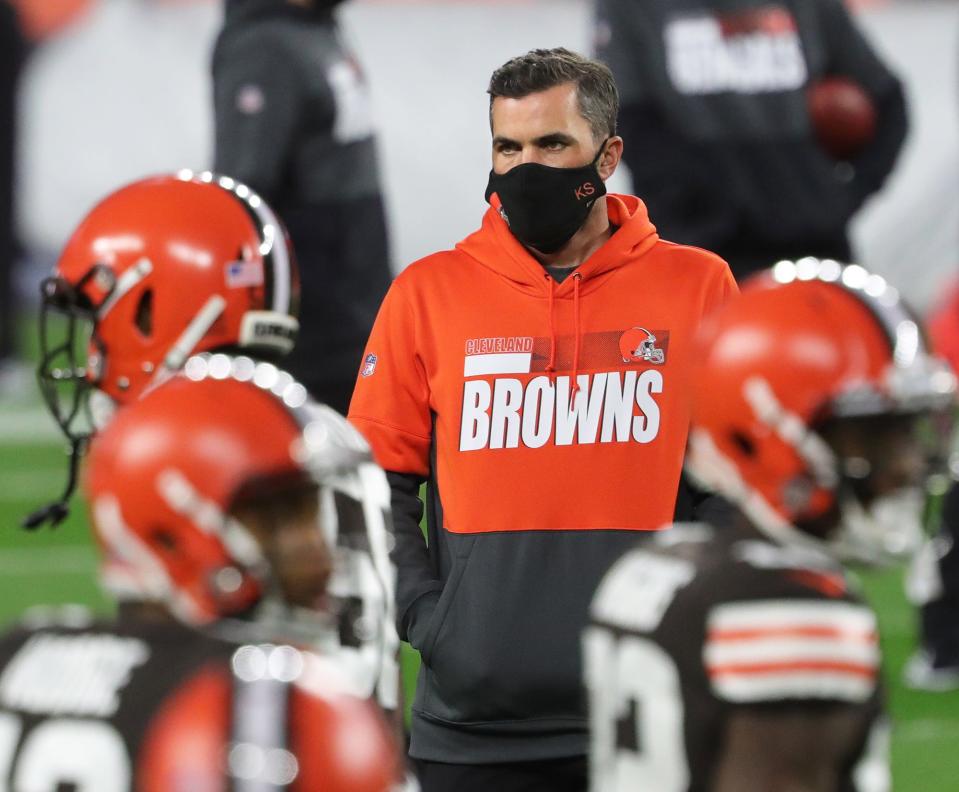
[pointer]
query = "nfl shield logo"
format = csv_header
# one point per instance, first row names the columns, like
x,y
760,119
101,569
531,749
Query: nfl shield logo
x,y
369,365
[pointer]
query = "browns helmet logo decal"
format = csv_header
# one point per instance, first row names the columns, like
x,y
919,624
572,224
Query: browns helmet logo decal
x,y
639,345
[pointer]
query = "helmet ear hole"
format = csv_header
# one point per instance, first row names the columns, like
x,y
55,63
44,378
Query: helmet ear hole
x,y
165,540
743,442
144,313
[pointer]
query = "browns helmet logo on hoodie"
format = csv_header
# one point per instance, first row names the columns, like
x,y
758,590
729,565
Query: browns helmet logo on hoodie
x,y
639,345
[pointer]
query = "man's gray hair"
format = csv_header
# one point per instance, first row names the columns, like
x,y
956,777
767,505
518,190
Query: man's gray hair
x,y
541,69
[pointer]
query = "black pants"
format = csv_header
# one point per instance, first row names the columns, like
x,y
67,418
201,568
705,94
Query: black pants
x,y
551,775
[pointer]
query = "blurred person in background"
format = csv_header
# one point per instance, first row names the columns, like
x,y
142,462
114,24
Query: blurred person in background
x,y
12,53
737,653
724,141
208,502
933,581
293,121
536,377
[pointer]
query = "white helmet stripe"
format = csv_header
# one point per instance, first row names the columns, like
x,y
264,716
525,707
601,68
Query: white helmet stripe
x,y
135,572
124,283
713,470
183,347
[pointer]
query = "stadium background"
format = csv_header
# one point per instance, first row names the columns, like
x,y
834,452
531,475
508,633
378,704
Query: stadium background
x,y
123,91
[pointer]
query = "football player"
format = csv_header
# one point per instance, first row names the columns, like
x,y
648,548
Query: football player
x,y
210,500
159,270
737,654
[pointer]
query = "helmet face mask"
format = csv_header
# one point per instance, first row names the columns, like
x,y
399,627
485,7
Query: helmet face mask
x,y
357,523
886,464
352,624
69,355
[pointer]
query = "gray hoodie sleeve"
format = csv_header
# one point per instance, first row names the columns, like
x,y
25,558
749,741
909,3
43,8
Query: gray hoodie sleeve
x,y
418,588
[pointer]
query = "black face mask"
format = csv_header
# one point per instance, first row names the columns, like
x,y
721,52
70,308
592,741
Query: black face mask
x,y
545,206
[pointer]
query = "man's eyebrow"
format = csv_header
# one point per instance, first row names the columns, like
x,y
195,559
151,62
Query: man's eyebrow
x,y
543,140
554,137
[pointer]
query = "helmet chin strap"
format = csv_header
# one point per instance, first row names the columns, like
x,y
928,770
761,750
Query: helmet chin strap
x,y
57,511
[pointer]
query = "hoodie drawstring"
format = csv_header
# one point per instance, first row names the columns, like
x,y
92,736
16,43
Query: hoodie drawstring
x,y
551,366
577,341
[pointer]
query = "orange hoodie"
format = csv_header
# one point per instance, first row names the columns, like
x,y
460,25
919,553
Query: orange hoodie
x,y
556,405
469,379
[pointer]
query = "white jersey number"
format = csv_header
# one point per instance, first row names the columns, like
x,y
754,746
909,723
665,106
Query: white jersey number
x,y
636,715
88,755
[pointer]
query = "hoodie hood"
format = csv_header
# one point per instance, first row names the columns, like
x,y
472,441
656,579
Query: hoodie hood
x,y
495,247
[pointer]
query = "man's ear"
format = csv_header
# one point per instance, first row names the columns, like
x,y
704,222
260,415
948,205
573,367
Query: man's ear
x,y
612,154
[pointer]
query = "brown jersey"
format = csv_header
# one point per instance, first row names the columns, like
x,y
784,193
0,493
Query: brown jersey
x,y
699,622
163,708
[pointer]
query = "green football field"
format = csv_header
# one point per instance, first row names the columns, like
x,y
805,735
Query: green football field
x,y
58,566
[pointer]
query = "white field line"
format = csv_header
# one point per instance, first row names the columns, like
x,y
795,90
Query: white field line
x,y
927,729
34,561
28,426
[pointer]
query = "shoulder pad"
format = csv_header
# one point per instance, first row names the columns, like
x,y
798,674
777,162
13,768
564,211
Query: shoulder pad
x,y
637,591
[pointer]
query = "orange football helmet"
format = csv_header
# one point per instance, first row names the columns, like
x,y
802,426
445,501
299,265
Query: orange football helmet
x,y
805,343
165,473
282,719
159,270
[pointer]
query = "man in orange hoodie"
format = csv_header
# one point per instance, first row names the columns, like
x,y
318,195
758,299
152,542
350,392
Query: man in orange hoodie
x,y
537,377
